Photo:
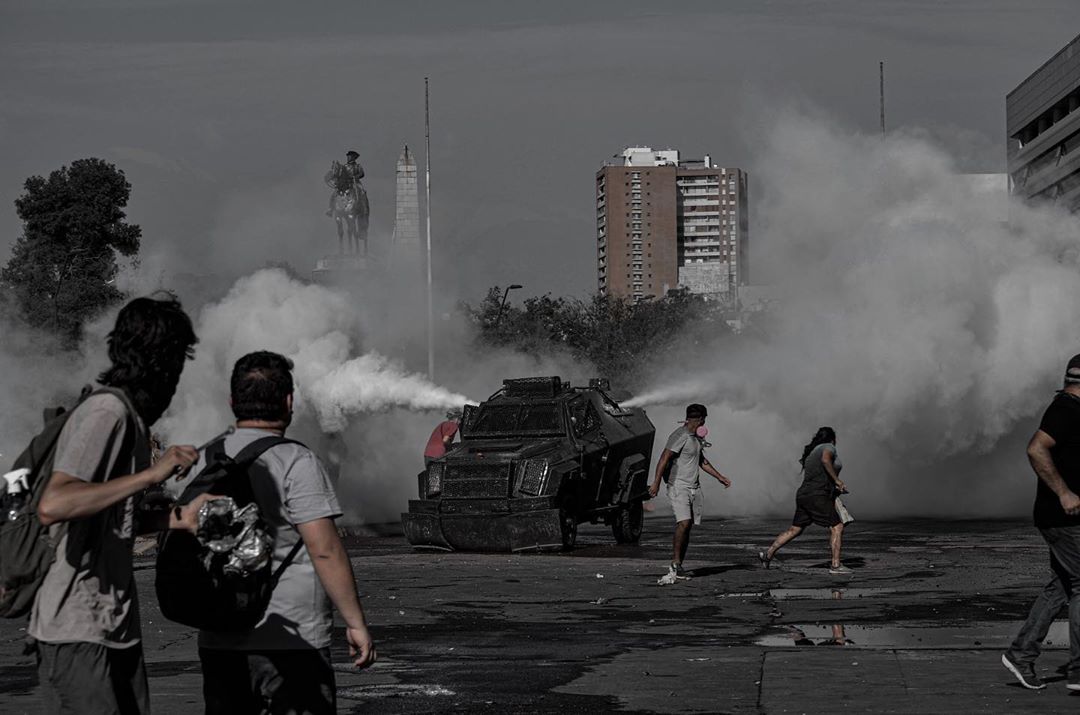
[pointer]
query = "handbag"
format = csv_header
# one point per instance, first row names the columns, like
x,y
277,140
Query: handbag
x,y
845,515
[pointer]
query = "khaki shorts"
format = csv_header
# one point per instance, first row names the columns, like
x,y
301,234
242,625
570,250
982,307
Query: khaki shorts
x,y
687,502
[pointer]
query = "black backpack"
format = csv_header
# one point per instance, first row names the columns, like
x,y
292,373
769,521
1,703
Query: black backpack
x,y
26,551
193,587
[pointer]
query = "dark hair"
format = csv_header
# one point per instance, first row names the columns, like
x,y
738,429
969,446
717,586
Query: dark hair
x,y
696,410
260,383
824,435
147,347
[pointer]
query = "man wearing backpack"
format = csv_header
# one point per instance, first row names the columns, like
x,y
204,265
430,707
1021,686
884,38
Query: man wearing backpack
x,y
283,663
85,615
682,454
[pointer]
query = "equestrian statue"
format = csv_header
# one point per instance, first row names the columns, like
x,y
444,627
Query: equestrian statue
x,y
349,204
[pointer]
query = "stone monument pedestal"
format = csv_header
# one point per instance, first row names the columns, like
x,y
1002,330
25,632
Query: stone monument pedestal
x,y
339,270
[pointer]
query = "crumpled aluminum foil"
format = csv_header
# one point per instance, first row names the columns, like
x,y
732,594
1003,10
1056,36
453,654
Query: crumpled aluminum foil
x,y
236,532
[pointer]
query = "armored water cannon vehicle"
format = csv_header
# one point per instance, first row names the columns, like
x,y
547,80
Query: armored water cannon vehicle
x,y
536,459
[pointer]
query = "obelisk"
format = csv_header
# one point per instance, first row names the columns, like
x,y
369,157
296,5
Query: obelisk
x,y
405,250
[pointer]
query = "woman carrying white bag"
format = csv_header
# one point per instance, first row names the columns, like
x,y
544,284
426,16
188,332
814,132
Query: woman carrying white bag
x,y
817,501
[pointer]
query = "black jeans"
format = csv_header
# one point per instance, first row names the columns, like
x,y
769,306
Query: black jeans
x,y
237,682
81,678
1063,588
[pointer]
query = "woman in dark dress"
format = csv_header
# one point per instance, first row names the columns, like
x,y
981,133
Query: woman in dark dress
x,y
815,502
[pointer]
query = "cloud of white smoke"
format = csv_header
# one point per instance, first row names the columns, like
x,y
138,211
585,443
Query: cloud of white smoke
x,y
313,326
912,318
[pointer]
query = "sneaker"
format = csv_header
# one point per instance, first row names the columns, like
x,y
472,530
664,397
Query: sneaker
x,y
839,570
765,560
680,573
1026,674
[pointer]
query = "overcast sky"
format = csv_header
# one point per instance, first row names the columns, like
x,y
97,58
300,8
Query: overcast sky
x,y
225,115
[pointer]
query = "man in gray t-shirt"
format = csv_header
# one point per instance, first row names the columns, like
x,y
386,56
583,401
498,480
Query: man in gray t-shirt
x,y
683,456
283,663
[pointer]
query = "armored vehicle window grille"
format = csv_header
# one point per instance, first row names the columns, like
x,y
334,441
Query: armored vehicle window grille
x,y
533,472
583,417
517,419
477,481
496,419
540,418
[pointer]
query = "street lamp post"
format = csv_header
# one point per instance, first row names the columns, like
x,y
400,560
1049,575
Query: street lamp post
x,y
502,306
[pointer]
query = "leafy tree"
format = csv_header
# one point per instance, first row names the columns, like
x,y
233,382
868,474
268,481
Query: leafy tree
x,y
618,336
63,266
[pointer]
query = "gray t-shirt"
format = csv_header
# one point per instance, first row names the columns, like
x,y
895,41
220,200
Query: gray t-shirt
x,y
88,594
687,449
291,487
816,481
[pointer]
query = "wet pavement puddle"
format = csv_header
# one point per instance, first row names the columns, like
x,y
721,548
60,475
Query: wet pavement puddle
x,y
396,690
993,635
826,593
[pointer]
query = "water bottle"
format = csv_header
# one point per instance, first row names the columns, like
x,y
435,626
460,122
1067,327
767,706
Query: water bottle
x,y
13,504
16,491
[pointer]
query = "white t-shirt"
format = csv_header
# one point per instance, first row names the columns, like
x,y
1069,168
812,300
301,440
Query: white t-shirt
x,y
687,449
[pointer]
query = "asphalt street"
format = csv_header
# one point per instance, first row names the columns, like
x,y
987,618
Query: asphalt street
x,y
917,628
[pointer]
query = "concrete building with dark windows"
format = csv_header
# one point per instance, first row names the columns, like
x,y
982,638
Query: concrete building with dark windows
x,y
663,223
1042,116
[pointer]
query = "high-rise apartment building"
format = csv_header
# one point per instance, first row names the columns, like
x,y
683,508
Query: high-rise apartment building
x,y
663,223
1042,117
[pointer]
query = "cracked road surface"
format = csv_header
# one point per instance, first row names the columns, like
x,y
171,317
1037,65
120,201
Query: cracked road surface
x,y
918,627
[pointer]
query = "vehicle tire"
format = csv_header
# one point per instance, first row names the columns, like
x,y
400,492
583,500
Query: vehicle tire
x,y
569,529
628,524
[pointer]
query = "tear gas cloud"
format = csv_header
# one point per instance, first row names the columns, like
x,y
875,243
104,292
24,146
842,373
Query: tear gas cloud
x,y
313,326
924,318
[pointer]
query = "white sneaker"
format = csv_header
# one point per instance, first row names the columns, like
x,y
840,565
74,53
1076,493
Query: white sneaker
x,y
669,578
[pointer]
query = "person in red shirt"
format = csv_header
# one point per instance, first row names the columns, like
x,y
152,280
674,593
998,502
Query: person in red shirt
x,y
442,437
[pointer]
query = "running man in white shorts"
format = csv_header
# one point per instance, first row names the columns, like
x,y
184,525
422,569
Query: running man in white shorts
x,y
684,446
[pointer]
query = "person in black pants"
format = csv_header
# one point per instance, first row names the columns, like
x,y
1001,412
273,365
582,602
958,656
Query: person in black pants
x,y
1054,454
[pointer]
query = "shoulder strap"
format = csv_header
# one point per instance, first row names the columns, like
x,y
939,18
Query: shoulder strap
x,y
285,563
247,456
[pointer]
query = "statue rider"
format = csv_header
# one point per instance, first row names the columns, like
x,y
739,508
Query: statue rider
x,y
344,177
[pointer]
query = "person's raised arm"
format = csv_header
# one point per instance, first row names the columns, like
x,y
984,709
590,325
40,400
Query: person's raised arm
x,y
335,572
67,497
1042,462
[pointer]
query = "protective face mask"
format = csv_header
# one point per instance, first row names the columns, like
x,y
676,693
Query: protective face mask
x,y
702,432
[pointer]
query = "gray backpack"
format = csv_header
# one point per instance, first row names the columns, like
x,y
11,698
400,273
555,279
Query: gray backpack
x,y
26,551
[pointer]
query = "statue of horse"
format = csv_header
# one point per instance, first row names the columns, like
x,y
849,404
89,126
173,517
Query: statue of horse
x,y
350,210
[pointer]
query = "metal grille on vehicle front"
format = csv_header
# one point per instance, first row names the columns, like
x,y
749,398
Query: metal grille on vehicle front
x,y
477,481
533,472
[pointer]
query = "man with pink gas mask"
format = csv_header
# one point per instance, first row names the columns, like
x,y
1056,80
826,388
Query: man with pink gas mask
x,y
679,465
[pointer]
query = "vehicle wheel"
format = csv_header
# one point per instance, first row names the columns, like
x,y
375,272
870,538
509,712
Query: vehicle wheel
x,y
569,529
627,526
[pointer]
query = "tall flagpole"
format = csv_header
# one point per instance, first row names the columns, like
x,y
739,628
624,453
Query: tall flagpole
x,y
881,95
427,201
